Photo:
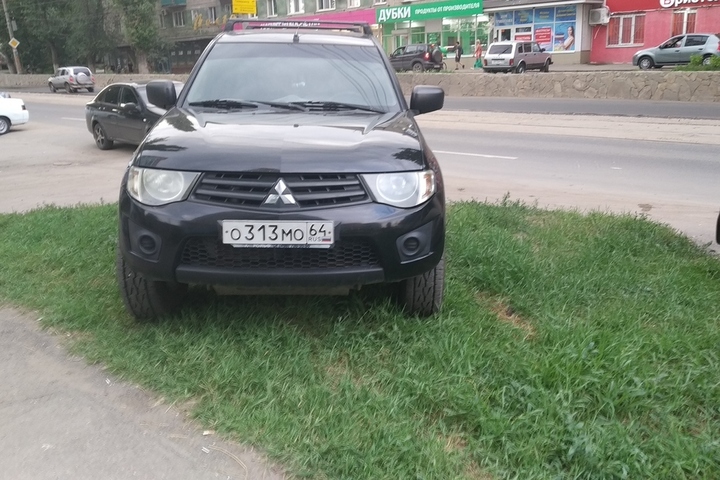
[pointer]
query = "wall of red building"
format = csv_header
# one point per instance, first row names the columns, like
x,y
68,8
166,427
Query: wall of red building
x,y
658,28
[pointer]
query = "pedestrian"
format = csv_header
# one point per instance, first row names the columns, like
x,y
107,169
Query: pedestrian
x,y
458,54
478,54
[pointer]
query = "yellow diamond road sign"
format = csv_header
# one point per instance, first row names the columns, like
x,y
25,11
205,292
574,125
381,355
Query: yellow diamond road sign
x,y
13,42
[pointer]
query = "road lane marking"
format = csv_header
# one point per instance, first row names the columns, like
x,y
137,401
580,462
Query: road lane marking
x,y
476,155
75,119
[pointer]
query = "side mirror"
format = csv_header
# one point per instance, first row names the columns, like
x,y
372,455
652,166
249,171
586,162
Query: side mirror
x,y
131,107
161,93
426,98
542,49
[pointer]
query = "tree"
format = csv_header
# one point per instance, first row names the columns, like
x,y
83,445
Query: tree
x,y
141,29
41,23
87,39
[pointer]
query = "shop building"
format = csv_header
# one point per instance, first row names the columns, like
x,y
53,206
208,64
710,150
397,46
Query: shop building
x,y
559,26
433,22
632,26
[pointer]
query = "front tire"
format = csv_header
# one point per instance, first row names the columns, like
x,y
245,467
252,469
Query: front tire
x,y
4,125
546,67
101,139
646,63
423,295
146,299
52,88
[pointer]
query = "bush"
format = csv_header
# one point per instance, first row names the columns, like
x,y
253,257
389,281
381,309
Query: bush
x,y
696,64
696,60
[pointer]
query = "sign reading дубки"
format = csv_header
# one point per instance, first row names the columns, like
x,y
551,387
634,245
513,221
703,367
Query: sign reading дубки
x,y
456,8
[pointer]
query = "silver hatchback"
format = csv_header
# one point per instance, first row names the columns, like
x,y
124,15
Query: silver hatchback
x,y
678,50
72,79
516,56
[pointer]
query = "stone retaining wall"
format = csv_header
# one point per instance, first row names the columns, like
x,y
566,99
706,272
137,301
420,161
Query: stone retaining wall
x,y
653,85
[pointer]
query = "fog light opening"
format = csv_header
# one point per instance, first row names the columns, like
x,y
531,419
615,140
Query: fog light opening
x,y
147,244
411,245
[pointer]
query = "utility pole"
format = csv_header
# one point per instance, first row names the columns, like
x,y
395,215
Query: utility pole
x,y
18,65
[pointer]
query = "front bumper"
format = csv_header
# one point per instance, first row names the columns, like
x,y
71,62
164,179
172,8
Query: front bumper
x,y
370,245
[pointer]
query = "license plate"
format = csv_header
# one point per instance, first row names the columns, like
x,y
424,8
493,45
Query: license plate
x,y
497,62
239,233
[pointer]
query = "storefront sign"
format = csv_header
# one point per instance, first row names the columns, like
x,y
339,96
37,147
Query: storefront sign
x,y
523,17
544,15
504,19
552,27
455,8
677,3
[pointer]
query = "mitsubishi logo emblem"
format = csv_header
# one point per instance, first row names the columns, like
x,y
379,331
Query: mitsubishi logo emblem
x,y
282,194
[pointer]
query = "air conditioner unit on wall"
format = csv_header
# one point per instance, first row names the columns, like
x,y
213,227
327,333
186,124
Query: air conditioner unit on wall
x,y
599,16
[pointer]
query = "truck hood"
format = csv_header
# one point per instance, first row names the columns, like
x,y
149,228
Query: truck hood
x,y
284,142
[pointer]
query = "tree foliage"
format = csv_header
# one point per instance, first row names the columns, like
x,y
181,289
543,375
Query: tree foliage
x,y
55,32
140,24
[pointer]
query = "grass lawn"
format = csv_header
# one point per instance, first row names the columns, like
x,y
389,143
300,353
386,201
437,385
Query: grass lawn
x,y
569,346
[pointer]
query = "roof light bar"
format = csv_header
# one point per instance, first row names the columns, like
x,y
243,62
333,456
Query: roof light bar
x,y
244,24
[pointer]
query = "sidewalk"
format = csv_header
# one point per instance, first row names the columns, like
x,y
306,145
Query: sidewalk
x,y
63,419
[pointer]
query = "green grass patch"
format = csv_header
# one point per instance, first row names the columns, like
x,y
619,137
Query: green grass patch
x,y
570,346
696,64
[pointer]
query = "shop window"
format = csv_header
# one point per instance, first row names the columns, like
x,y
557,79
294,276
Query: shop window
x,y
626,30
296,6
683,22
325,5
179,19
353,3
271,8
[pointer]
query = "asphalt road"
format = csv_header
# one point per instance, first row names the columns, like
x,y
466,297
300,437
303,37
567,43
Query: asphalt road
x,y
568,106
564,106
664,168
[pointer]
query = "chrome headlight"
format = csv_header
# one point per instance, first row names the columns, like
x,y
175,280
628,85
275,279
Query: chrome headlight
x,y
401,189
159,187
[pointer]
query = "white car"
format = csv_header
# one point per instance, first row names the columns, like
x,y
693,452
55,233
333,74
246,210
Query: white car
x,y
12,112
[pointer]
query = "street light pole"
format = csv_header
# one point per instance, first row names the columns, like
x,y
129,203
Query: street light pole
x,y
18,65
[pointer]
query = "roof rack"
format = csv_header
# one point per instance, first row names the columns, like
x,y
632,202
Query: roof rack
x,y
243,24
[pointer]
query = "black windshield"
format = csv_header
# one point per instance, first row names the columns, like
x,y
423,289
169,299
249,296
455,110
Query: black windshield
x,y
296,73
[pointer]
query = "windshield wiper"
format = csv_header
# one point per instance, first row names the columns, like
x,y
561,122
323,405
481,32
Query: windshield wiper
x,y
287,106
336,106
226,104
230,104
